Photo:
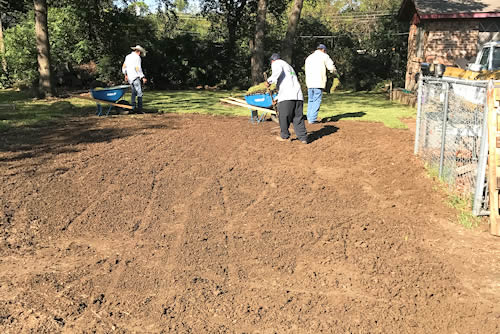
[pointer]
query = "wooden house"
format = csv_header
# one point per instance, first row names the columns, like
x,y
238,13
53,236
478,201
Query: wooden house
x,y
447,32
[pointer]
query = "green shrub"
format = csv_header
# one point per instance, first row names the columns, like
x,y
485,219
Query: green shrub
x,y
109,69
21,54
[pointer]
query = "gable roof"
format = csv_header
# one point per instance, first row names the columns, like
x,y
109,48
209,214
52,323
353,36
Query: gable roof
x,y
436,9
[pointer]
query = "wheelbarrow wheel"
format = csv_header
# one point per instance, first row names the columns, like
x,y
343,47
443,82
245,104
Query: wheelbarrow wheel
x,y
123,111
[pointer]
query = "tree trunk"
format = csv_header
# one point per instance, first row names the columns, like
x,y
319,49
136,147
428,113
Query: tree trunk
x,y
231,36
2,47
293,22
257,61
45,87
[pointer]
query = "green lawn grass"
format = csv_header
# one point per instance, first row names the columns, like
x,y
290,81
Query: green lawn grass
x,y
18,109
361,106
364,106
192,101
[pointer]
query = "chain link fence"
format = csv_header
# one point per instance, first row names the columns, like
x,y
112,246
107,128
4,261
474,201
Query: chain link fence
x,y
451,135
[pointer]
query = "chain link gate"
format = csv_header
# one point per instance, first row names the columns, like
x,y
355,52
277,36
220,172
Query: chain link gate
x,y
452,136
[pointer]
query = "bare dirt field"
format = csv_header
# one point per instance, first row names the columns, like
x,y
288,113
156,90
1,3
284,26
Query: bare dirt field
x,y
204,224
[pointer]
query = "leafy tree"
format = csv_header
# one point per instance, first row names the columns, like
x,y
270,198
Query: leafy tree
x,y
242,27
365,39
11,6
7,9
20,52
140,8
227,47
229,13
180,5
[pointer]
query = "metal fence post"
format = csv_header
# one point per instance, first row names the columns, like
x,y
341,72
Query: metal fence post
x,y
481,164
419,112
443,135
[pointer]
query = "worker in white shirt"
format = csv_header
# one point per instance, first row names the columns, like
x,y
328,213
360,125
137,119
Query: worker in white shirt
x,y
290,99
316,65
132,70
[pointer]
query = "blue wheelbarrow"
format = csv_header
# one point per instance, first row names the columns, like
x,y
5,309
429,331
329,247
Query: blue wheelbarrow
x,y
256,103
260,100
109,96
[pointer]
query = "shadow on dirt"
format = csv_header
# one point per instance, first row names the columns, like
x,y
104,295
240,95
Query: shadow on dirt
x,y
29,142
345,115
324,131
66,135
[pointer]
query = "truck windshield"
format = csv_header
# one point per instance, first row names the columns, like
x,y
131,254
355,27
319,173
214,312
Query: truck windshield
x,y
484,58
495,62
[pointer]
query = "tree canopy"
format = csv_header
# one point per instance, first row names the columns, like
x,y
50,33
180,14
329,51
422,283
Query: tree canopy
x,y
217,45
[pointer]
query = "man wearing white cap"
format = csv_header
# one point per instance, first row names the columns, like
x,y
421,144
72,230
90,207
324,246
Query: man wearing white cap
x,y
132,70
316,65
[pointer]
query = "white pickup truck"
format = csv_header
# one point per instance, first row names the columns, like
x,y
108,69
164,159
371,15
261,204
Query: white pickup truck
x,y
486,66
488,58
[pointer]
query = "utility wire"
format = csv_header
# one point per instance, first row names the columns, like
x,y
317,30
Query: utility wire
x,y
363,14
367,12
339,18
338,35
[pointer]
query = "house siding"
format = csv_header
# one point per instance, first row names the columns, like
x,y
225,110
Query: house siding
x,y
447,32
413,63
449,41
446,42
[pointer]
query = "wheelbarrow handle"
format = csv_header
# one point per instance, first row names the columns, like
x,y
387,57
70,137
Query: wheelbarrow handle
x,y
271,94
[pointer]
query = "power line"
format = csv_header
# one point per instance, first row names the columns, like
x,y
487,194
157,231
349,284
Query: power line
x,y
361,15
367,12
353,18
342,34
364,14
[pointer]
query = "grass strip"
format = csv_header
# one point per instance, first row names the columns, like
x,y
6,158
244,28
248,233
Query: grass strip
x,y
359,106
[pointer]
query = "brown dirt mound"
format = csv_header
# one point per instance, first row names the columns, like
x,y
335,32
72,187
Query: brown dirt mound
x,y
196,224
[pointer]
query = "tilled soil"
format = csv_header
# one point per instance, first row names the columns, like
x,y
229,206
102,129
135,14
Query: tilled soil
x,y
203,224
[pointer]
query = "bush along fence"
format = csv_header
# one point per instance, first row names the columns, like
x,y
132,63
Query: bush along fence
x,y
451,134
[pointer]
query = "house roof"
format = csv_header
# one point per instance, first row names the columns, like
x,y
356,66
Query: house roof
x,y
440,9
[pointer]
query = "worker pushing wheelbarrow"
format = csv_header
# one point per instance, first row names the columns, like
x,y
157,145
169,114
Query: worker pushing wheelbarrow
x,y
289,100
259,98
258,102
132,70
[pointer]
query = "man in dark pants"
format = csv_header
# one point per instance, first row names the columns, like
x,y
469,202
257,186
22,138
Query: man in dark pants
x,y
290,99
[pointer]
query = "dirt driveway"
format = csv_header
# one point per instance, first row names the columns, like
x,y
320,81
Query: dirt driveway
x,y
203,224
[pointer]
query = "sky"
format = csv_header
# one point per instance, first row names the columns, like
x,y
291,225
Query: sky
x,y
194,4
150,3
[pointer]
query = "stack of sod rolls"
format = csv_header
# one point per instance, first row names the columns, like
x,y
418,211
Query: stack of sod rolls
x,y
260,89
